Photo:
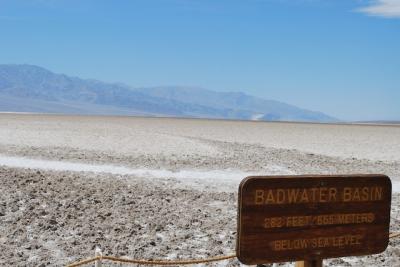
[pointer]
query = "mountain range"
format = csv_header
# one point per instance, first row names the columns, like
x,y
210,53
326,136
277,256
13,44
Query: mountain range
x,y
29,88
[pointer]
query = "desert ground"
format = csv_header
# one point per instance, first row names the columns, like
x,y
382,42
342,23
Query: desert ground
x,y
162,188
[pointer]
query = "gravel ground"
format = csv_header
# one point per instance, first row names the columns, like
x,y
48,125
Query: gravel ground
x,y
54,218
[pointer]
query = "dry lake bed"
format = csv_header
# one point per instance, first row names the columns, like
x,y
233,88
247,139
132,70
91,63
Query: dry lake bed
x,y
162,188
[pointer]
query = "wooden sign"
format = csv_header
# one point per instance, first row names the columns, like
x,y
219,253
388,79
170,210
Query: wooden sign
x,y
288,218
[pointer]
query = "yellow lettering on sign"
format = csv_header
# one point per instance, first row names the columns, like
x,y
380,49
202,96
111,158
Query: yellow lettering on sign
x,y
378,193
322,219
323,194
282,196
270,198
358,194
293,195
346,194
332,194
259,197
318,242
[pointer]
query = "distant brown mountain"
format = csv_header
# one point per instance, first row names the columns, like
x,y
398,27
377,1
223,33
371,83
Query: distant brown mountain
x,y
28,88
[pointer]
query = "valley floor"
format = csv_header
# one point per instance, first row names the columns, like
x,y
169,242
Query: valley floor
x,y
161,188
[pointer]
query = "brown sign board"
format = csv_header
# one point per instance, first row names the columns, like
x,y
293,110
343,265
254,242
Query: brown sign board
x,y
288,218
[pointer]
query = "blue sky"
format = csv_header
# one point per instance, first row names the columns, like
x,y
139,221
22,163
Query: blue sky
x,y
337,56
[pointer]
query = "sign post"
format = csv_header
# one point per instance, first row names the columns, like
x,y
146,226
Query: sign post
x,y
310,218
313,263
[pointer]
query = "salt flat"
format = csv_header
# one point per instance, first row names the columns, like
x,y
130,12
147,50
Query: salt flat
x,y
163,187
177,144
129,135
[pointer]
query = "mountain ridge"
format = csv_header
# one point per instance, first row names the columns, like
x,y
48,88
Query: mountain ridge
x,y
30,88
